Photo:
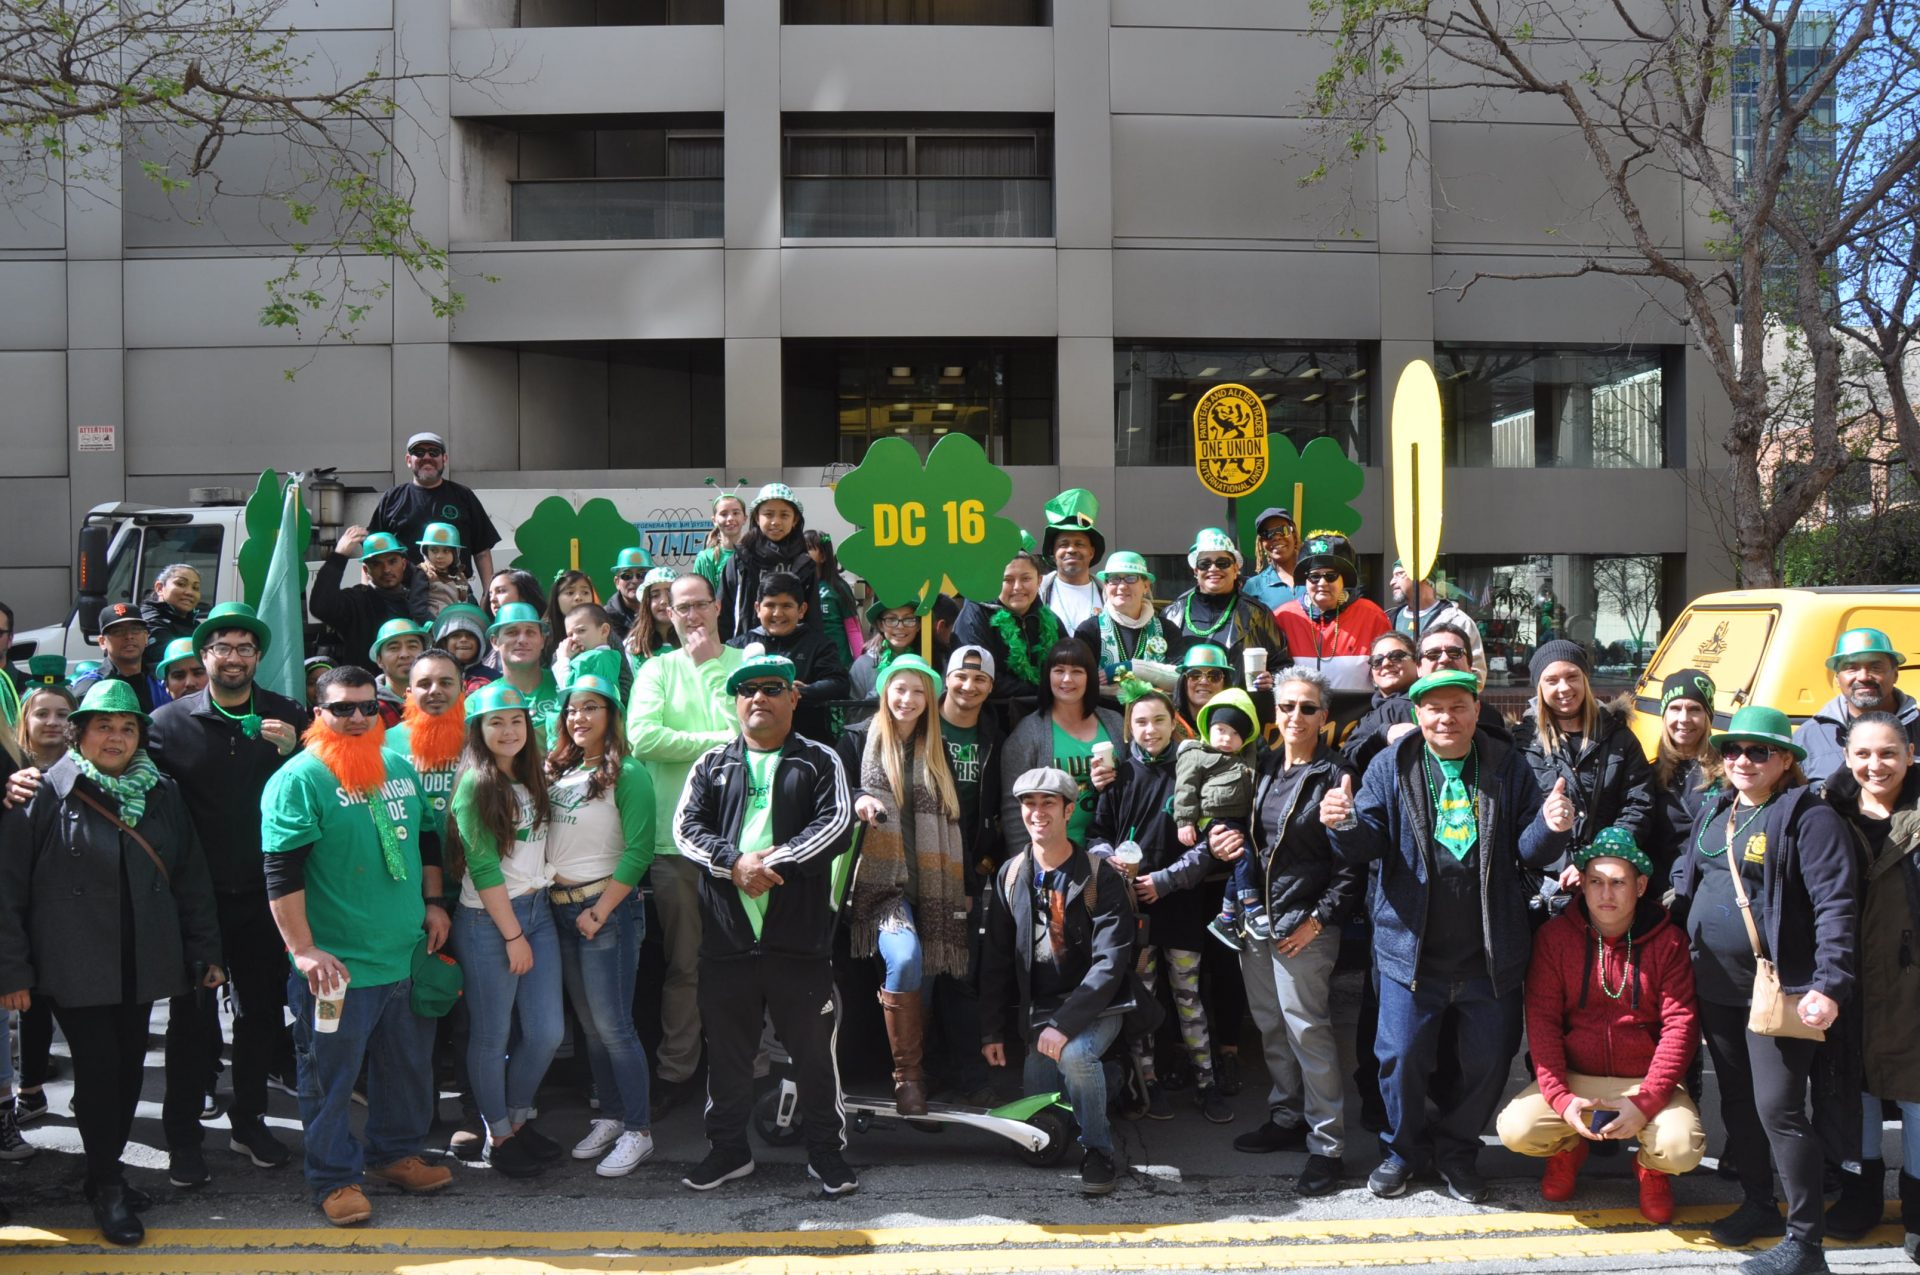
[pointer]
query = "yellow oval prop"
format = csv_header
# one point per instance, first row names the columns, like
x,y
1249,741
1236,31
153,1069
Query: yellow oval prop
x,y
1417,467
1230,440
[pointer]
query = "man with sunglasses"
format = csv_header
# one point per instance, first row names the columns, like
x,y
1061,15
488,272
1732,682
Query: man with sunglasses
x,y
1214,610
763,818
1863,668
1277,583
406,509
624,608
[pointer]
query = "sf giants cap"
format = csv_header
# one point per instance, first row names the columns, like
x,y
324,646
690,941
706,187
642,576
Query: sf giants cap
x,y
115,614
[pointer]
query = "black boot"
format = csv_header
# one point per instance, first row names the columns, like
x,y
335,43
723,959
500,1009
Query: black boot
x,y
1910,1214
115,1216
1862,1201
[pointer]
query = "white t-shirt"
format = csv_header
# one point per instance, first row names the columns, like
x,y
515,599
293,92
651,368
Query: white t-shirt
x,y
1075,604
523,863
584,840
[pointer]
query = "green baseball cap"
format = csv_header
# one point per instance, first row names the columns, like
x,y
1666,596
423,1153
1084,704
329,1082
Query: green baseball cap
x,y
379,544
177,650
633,559
440,535
437,981
395,629
515,613
591,684
498,696
110,695
1462,678
911,663
1614,843
1855,643
1124,562
1205,655
759,666
232,615
1760,725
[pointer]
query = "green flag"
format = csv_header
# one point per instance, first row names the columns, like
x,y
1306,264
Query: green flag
x,y
283,607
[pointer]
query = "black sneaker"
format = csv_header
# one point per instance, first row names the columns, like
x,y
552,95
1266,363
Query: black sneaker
x,y
1390,1177
211,1108
665,1095
28,1107
1320,1177
251,1139
288,1084
1212,1105
515,1159
187,1167
1096,1173
830,1170
720,1167
1464,1183
543,1148
1159,1106
469,1143
1789,1257
12,1145
1226,1073
1752,1221
1272,1137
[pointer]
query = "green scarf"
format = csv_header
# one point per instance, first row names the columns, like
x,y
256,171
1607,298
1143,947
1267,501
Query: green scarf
x,y
1456,815
129,788
1024,660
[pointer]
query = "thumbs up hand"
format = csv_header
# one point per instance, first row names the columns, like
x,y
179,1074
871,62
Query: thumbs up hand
x,y
1557,810
1337,806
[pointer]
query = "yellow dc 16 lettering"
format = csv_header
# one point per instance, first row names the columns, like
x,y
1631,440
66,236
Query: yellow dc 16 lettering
x,y
906,524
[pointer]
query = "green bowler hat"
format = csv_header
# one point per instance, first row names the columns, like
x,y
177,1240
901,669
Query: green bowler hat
x,y
177,650
1458,677
1124,562
111,696
495,697
516,613
591,684
1614,843
1758,725
911,663
395,629
1206,655
760,666
440,535
1855,643
232,615
633,559
379,544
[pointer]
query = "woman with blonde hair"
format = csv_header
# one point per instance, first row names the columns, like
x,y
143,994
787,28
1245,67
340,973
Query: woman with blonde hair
x,y
1686,770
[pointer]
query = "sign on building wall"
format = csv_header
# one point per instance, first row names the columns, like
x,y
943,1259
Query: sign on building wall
x,y
96,438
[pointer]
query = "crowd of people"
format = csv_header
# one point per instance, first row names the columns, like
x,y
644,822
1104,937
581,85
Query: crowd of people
x,y
1070,825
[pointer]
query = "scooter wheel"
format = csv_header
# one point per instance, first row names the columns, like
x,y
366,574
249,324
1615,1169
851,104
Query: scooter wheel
x,y
1060,1130
766,1121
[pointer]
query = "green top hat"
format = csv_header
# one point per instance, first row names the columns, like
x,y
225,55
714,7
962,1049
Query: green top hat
x,y
110,695
1213,540
515,613
45,670
393,629
1027,543
1205,655
232,615
633,558
379,544
1458,677
438,535
1760,725
459,617
775,491
177,650
1073,510
1855,643
1614,843
658,575
1124,562
591,684
495,697
760,666
911,663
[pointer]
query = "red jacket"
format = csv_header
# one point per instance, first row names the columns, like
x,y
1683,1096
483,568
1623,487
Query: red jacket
x,y
1650,1032
1338,646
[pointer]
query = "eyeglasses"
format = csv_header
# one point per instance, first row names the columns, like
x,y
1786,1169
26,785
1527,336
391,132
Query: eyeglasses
x,y
626,577
1388,657
345,711
754,690
1443,654
1120,579
1208,675
426,452
245,651
1213,564
1323,577
1276,533
1758,754
898,621
1306,708
685,610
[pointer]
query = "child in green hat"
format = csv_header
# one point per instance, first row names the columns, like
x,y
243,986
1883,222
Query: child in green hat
x,y
439,582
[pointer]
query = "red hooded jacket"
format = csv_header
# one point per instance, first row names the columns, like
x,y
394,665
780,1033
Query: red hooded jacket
x,y
1573,1025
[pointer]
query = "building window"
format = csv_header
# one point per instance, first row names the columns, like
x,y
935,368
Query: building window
x,y
971,180
619,13
842,395
962,13
1609,603
1525,407
615,182
1311,391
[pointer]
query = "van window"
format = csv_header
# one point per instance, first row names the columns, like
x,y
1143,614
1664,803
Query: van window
x,y
196,544
1900,624
1725,643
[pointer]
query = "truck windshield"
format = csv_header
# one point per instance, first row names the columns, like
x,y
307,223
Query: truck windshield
x,y
196,544
1725,643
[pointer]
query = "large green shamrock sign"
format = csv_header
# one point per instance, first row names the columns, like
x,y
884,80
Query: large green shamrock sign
x,y
920,526
556,538
261,518
1318,485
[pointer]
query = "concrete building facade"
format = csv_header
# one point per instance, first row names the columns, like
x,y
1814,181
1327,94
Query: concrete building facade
x,y
744,239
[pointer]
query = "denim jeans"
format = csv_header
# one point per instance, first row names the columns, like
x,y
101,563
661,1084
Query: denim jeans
x,y
1407,1042
1872,1135
1081,1077
900,954
504,1086
379,1028
600,974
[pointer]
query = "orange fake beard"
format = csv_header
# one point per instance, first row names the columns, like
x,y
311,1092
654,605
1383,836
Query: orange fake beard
x,y
436,742
355,760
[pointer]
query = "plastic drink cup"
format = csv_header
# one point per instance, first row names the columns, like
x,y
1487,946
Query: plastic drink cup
x,y
1103,752
1127,856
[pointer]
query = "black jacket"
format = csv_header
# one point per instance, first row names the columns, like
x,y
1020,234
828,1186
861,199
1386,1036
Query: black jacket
x,y
816,662
1811,882
1609,778
355,613
1303,876
1102,934
164,624
619,618
1012,694
1676,814
221,774
61,870
1139,804
1369,734
1251,625
742,577
812,822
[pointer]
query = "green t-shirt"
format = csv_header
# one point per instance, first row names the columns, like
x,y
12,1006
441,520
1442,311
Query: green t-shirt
x,y
712,563
1075,756
437,783
963,759
756,825
356,908
543,707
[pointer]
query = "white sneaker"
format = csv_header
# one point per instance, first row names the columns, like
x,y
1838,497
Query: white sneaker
x,y
602,1135
626,1155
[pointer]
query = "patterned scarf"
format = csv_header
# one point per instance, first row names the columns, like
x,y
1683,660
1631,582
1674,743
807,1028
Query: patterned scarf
x,y
130,787
1152,644
880,883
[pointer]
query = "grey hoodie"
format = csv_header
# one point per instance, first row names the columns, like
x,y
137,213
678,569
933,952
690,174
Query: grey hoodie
x,y
1824,735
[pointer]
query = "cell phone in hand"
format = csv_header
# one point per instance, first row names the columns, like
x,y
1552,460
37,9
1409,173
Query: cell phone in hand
x,y
1599,1118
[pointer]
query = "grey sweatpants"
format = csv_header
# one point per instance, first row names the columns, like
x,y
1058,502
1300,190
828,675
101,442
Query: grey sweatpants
x,y
1291,1001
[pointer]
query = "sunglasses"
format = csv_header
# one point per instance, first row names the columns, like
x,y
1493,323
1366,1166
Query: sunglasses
x,y
1276,533
772,690
1439,654
1323,577
1213,564
1389,657
1208,675
365,708
627,577
1306,708
428,453
1758,754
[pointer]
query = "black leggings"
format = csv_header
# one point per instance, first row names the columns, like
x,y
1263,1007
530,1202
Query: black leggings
x,y
109,1048
36,1043
1763,1103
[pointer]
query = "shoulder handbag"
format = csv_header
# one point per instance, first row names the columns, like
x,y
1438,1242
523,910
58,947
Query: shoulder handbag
x,y
1773,1012
122,825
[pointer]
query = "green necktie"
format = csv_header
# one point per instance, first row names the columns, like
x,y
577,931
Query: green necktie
x,y
1455,824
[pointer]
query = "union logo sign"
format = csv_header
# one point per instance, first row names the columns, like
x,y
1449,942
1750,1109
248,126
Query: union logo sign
x,y
1230,440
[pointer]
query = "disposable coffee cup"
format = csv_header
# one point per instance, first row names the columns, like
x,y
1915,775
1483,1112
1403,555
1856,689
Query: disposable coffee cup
x,y
328,1008
1103,752
1127,856
1256,660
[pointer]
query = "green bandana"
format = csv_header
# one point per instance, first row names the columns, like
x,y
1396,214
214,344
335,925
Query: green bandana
x,y
1456,816
129,788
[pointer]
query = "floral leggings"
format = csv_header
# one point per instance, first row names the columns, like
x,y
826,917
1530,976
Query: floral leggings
x,y
1184,969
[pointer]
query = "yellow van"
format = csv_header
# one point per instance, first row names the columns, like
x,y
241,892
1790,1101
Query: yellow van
x,y
1770,647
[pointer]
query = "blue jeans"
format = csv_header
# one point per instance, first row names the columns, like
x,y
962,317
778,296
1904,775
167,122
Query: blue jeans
x,y
504,1086
1080,1076
377,1027
900,953
1407,1043
600,973
1871,1141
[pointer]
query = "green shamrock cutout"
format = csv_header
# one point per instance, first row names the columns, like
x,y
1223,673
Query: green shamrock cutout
x,y
919,527
261,518
556,539
1330,483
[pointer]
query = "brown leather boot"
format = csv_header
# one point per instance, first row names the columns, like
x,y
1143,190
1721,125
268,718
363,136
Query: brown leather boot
x,y
906,1028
